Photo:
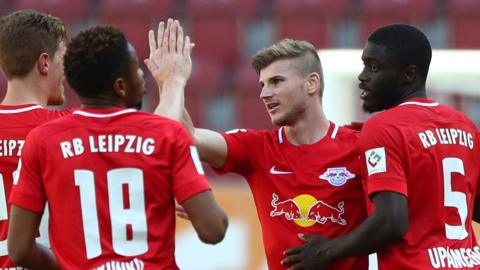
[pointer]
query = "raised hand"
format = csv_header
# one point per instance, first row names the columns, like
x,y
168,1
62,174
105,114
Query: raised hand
x,y
169,53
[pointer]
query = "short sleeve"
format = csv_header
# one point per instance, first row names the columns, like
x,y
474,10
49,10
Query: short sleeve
x,y
383,158
187,173
239,154
29,191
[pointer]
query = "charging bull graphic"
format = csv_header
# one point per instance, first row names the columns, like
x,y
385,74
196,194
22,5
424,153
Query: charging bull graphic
x,y
305,210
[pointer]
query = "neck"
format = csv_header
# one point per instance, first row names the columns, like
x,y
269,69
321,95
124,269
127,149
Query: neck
x,y
415,92
101,102
25,91
309,128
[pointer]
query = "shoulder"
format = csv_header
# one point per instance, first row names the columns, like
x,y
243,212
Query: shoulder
x,y
251,137
346,134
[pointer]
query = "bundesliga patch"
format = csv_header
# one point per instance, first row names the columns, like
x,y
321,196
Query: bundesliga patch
x,y
376,160
337,176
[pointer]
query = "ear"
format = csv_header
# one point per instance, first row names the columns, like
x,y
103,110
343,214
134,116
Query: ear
x,y
313,83
120,87
43,64
410,74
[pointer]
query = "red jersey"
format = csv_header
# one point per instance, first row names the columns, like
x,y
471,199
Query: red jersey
x,y
311,189
428,153
111,178
15,123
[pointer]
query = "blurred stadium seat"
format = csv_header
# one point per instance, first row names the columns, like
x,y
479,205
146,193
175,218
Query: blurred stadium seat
x,y
135,18
216,27
311,20
204,83
464,22
135,9
251,112
376,13
70,11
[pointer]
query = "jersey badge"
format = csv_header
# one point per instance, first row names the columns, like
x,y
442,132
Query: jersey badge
x,y
337,176
376,160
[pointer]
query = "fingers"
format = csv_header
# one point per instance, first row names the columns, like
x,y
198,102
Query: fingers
x,y
160,32
179,38
187,49
173,36
297,267
151,42
305,237
166,35
293,250
292,259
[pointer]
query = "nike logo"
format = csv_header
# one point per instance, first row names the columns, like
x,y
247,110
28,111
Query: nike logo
x,y
274,171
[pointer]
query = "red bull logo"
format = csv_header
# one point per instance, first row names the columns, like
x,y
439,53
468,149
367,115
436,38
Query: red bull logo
x,y
305,210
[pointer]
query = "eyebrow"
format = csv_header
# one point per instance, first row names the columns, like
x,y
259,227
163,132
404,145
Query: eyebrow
x,y
273,78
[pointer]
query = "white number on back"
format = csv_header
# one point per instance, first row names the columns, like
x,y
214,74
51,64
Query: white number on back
x,y
122,217
454,198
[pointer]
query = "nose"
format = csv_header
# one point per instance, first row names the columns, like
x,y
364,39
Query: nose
x,y
362,76
266,92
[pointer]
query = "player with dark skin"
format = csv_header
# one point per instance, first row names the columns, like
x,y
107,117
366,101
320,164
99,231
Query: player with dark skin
x,y
385,82
118,83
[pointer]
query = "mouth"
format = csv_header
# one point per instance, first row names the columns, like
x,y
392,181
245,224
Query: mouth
x,y
364,92
272,106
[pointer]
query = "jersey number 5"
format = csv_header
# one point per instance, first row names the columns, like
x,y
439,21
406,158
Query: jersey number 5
x,y
121,217
454,199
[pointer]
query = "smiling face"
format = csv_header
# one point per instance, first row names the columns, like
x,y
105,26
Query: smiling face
x,y
381,80
283,91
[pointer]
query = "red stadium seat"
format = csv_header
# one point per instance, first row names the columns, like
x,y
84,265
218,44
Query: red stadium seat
x,y
204,83
377,13
136,32
116,10
216,27
464,23
70,11
311,20
135,18
251,111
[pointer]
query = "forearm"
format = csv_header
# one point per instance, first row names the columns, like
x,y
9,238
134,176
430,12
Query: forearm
x,y
36,256
369,237
386,225
476,209
172,101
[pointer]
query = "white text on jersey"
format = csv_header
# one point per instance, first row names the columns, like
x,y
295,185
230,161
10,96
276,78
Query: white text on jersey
x,y
457,136
134,264
10,148
108,144
445,257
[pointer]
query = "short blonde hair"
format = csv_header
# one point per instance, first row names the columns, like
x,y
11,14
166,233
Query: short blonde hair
x,y
308,60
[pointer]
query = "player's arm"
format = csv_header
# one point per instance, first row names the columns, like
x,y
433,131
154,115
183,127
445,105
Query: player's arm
x,y
387,224
208,219
22,247
476,209
170,65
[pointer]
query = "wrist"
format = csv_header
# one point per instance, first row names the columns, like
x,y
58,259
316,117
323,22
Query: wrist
x,y
176,81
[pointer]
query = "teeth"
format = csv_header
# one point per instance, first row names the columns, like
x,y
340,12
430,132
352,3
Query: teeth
x,y
363,93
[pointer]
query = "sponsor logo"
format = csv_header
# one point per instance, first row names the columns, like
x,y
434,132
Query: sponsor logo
x,y
376,160
337,176
273,170
306,211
